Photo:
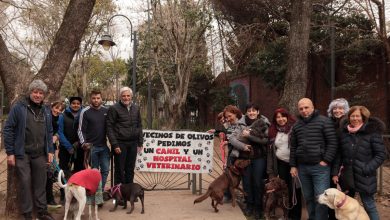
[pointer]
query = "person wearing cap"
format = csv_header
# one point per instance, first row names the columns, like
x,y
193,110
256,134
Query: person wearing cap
x,y
124,131
28,140
70,149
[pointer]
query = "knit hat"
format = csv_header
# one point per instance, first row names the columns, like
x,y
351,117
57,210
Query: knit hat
x,y
71,99
340,102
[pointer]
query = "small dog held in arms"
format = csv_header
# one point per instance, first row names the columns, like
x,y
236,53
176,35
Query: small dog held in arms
x,y
230,179
128,192
276,195
345,207
80,185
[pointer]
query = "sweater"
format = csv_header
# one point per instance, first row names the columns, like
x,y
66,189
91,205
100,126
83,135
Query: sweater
x,y
89,179
92,126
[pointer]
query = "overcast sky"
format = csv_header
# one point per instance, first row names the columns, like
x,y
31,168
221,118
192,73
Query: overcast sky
x,y
135,10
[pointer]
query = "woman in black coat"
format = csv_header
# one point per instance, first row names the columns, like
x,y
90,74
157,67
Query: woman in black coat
x,y
337,112
362,149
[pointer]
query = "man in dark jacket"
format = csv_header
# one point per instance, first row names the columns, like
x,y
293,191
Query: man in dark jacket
x,y
69,141
313,148
70,149
28,139
124,130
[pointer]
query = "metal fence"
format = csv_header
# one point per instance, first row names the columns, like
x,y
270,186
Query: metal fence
x,y
384,170
198,183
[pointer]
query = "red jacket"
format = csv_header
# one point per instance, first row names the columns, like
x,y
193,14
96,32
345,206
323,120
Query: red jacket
x,y
89,179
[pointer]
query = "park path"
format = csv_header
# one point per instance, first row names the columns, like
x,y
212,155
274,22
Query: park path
x,y
167,205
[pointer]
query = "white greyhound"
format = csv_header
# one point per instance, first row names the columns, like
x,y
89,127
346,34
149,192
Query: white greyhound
x,y
79,192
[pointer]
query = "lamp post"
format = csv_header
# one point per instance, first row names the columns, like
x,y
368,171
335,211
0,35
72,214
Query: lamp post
x,y
107,42
332,49
149,107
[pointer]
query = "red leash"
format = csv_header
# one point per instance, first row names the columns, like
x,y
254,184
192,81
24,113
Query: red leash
x,y
222,138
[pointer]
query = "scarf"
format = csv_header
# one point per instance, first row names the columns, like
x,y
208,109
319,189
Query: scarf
x,y
353,129
285,128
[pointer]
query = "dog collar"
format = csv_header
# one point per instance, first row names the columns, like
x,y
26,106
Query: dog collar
x,y
342,202
116,188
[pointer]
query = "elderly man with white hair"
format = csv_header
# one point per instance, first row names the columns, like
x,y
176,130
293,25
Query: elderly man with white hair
x,y
124,131
28,139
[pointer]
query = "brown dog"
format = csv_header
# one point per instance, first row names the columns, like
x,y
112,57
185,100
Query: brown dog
x,y
276,196
230,179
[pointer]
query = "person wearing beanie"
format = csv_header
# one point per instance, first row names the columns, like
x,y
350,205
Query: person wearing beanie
x,y
70,148
28,140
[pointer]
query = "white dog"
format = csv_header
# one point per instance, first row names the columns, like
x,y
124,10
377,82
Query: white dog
x,y
79,184
346,207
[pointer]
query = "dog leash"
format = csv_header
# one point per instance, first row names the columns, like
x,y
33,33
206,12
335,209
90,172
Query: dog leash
x,y
294,201
57,168
222,137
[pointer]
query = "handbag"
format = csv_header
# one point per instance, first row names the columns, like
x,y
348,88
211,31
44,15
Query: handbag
x,y
346,178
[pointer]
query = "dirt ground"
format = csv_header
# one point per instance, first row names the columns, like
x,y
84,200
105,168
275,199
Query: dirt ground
x,y
177,204
159,204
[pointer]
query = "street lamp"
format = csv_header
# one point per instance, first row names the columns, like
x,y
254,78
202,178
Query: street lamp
x,y
107,42
332,48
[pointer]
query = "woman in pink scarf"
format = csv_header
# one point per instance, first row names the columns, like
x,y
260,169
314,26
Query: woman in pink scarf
x,y
361,152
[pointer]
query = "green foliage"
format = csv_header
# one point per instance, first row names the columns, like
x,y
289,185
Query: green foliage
x,y
270,63
101,75
260,35
356,57
220,97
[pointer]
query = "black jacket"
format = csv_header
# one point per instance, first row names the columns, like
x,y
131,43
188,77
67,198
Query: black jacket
x,y
365,151
124,125
313,140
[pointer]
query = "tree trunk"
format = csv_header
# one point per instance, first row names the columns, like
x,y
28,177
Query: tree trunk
x,y
53,70
298,47
11,207
65,45
9,74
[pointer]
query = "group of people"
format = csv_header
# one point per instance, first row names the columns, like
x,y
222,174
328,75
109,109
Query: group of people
x,y
312,149
310,152
37,135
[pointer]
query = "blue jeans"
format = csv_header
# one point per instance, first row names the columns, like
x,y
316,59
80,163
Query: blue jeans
x,y
100,158
368,204
253,184
315,180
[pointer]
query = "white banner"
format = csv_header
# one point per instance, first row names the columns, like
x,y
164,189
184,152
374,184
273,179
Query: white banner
x,y
176,151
